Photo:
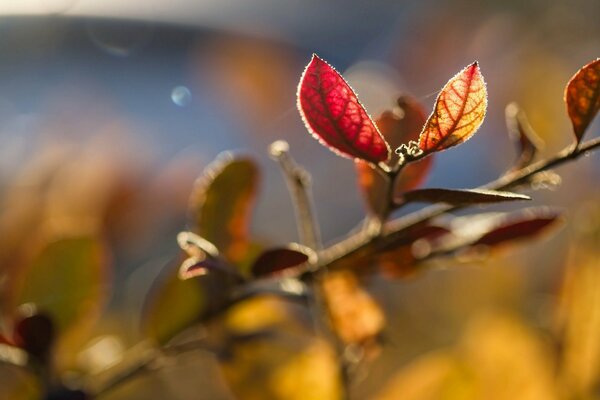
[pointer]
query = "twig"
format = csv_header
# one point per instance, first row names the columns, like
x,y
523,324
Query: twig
x,y
360,243
363,243
298,182
146,362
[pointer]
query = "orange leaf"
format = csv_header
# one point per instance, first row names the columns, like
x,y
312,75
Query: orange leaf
x,y
459,111
333,115
582,96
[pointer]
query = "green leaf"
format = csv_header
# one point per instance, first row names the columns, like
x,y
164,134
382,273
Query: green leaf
x,y
67,278
172,305
221,205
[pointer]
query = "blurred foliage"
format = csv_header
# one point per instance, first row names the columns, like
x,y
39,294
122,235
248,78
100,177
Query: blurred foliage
x,y
81,215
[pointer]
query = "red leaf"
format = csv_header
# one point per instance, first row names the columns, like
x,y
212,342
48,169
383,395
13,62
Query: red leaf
x,y
459,111
280,259
515,230
582,96
397,129
333,115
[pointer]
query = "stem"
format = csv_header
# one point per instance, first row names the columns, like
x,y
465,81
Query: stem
x,y
147,361
359,243
298,182
394,229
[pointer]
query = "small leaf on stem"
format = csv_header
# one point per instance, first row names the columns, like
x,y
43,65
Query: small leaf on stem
x,y
221,205
582,96
494,229
522,134
458,113
278,260
333,115
460,196
519,228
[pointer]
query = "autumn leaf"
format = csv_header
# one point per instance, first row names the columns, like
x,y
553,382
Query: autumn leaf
x,y
221,206
278,260
461,196
333,115
522,134
397,127
493,230
458,113
355,316
582,96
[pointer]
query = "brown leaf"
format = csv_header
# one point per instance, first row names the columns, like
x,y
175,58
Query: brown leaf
x,y
582,96
491,230
522,134
355,316
276,261
460,196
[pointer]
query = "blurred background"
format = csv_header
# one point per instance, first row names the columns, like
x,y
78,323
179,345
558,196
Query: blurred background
x,y
109,110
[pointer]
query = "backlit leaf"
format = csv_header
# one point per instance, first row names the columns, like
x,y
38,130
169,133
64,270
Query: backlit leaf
x,y
332,113
521,228
461,196
397,127
172,305
522,134
458,112
276,261
67,279
582,96
493,230
221,205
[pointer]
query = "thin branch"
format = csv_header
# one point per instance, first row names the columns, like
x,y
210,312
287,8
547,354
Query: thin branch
x,y
145,362
363,243
298,182
360,243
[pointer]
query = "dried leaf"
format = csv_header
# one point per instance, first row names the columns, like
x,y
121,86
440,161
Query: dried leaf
x,y
461,196
397,127
512,230
355,316
582,96
522,134
493,230
333,115
221,205
278,260
458,113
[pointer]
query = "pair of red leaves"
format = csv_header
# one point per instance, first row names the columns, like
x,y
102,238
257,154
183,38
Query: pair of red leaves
x,y
333,114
